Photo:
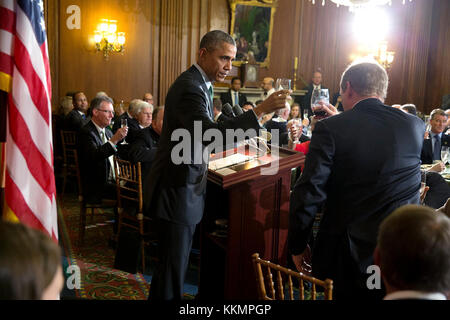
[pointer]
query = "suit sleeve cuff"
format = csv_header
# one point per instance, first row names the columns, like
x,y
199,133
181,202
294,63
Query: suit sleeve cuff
x,y
113,145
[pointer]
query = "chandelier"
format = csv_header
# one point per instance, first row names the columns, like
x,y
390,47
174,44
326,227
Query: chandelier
x,y
384,57
107,39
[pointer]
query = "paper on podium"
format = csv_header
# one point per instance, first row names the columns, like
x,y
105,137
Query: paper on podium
x,y
228,161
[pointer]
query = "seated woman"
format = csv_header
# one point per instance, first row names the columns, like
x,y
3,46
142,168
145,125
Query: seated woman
x,y
30,264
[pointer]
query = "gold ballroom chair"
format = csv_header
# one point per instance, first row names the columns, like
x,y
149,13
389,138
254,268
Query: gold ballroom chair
x,y
283,277
130,202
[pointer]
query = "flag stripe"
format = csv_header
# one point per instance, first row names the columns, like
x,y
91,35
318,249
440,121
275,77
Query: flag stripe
x,y
34,121
7,21
32,194
47,68
19,207
34,83
6,63
39,168
8,4
6,41
26,35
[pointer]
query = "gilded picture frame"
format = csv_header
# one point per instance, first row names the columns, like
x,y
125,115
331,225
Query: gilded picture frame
x,y
251,26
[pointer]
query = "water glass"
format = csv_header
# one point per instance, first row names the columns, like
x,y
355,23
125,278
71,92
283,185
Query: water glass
x,y
124,123
283,84
318,96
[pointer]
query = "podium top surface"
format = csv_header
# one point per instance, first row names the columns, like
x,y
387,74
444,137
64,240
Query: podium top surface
x,y
238,165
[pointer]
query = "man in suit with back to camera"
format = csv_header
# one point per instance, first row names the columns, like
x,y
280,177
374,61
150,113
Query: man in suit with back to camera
x,y
436,138
77,118
413,254
360,178
175,193
234,96
97,146
219,116
305,101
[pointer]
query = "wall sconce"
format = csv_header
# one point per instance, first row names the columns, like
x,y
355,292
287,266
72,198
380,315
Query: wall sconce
x,y
384,57
107,39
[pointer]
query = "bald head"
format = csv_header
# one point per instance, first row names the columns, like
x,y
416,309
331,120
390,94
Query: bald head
x,y
267,83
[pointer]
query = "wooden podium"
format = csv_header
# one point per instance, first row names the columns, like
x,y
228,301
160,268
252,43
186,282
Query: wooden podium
x,y
256,207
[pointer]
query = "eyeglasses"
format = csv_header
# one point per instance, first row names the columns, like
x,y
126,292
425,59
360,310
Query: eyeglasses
x,y
107,111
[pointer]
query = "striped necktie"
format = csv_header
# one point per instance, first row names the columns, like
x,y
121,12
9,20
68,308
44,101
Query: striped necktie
x,y
236,98
437,148
211,92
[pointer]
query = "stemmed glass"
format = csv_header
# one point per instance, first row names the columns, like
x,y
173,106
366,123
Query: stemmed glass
x,y
124,123
283,84
428,127
319,95
445,153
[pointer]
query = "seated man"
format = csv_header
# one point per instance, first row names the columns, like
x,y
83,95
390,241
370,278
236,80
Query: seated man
x,y
413,254
77,118
144,115
96,147
217,111
431,149
410,108
234,96
144,147
148,97
130,115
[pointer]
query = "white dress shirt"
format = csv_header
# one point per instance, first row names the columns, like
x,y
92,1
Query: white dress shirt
x,y
410,294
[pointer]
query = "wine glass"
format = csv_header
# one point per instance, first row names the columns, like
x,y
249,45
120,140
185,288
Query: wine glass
x,y
124,123
318,96
444,154
283,84
428,127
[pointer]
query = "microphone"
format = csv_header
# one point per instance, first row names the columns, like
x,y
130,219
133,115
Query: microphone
x,y
228,111
237,110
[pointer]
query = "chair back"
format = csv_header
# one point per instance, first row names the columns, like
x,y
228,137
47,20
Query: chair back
x,y
69,143
70,156
272,287
129,183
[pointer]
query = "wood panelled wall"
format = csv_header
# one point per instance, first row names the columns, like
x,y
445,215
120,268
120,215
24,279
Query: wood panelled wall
x,y
163,37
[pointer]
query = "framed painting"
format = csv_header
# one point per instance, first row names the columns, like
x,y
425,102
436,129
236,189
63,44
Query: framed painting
x,y
251,27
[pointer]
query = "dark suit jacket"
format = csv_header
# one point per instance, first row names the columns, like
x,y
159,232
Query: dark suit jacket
x,y
305,101
143,148
176,192
94,163
74,121
439,190
361,178
427,152
226,98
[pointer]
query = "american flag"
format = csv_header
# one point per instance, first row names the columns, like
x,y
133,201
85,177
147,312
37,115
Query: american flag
x,y
30,193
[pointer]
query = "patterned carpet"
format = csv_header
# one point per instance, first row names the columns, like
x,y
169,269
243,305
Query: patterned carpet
x,y
99,280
